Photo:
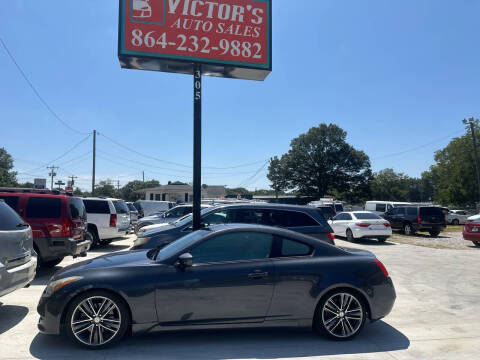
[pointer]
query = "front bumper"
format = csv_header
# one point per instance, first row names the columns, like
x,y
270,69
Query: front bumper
x,y
17,277
471,236
56,248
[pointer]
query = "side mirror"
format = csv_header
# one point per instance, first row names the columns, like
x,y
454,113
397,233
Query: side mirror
x,y
185,260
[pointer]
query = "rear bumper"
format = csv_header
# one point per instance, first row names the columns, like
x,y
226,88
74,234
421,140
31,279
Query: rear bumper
x,y
384,296
424,227
471,236
367,233
17,277
55,248
114,232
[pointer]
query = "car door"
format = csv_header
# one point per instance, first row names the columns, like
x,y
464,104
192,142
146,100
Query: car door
x,y
392,218
231,281
335,224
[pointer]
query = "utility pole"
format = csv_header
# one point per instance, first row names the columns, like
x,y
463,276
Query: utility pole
x,y
143,176
72,180
52,174
118,184
472,122
93,168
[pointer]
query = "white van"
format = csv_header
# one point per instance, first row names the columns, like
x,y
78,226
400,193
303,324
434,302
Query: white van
x,y
381,207
150,207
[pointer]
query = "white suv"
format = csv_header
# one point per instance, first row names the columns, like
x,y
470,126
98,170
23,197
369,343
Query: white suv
x,y
107,219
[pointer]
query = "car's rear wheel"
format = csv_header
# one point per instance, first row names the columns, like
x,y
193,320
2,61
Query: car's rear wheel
x,y
382,239
476,243
341,315
434,233
350,236
455,222
407,229
97,319
92,235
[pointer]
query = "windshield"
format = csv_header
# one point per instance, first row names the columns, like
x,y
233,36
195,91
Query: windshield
x,y
366,216
121,207
182,243
131,207
188,218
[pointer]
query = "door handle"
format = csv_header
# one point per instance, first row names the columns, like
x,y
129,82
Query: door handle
x,y
257,274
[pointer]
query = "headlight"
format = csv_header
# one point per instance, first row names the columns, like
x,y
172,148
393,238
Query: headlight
x,y
140,241
58,284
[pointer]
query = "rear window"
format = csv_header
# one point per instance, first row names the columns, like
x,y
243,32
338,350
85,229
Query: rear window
x,y
77,209
96,206
44,208
366,216
431,211
11,201
132,207
294,248
121,207
9,219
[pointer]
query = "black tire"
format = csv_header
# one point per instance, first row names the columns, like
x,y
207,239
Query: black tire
x,y
476,243
88,331
92,235
350,236
455,222
382,239
51,263
106,242
434,233
331,316
408,229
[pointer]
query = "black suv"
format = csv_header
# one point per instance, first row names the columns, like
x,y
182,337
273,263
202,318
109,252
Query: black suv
x,y
410,219
303,219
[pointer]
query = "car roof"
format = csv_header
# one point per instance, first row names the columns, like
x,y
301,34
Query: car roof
x,y
32,194
269,206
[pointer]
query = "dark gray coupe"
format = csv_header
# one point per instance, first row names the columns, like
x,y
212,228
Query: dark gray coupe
x,y
221,276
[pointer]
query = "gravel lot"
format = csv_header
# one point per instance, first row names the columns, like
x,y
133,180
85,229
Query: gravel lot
x,y
436,316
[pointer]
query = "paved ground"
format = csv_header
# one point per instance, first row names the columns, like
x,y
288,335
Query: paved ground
x,y
436,316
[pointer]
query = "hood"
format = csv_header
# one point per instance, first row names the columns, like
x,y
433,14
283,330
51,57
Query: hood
x,y
161,229
474,218
150,218
122,259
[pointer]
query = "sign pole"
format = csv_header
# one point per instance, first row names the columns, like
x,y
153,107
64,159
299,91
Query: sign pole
x,y
197,144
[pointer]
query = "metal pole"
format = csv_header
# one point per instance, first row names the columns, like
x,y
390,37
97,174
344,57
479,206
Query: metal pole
x,y
93,165
475,153
197,145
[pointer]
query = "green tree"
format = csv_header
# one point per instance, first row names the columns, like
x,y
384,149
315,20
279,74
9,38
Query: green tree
x,y
389,185
277,175
7,176
321,162
127,192
105,188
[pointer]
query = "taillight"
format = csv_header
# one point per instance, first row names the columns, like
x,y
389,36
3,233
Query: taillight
x,y
331,236
445,220
363,225
419,219
387,225
113,220
66,229
380,265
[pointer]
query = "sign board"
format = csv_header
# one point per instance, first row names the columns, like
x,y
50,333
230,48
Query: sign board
x,y
229,38
40,184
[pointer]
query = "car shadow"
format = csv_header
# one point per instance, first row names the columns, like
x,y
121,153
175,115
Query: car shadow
x,y
44,274
423,235
372,242
11,315
230,344
112,247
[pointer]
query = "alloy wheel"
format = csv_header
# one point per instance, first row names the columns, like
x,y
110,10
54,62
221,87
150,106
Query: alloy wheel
x,y
350,235
96,320
342,315
407,229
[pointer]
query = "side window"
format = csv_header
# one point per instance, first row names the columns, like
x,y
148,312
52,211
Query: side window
x,y
389,207
339,217
9,219
400,211
380,207
44,208
411,211
187,210
219,217
243,216
294,248
347,216
233,247
298,219
394,211
11,201
96,206
279,218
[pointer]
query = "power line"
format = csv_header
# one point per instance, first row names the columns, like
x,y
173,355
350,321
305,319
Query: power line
x,y
415,148
64,154
174,163
249,179
42,100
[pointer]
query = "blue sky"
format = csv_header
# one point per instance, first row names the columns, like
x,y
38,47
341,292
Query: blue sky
x,y
396,75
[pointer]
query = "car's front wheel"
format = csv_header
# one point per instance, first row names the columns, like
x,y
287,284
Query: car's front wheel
x,y
341,315
434,233
455,222
476,243
350,236
97,319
